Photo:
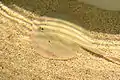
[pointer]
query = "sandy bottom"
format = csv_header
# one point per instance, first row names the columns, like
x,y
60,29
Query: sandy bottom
x,y
27,53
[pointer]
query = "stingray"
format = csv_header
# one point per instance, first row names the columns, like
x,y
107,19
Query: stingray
x,y
53,38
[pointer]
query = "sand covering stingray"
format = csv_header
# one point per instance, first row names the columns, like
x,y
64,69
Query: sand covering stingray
x,y
57,39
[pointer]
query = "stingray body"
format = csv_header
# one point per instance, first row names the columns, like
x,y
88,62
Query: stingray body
x,y
54,38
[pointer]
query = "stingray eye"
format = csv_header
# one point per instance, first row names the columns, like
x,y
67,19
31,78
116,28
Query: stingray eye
x,y
40,29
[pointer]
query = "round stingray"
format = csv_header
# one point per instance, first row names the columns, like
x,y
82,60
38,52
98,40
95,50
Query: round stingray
x,y
52,39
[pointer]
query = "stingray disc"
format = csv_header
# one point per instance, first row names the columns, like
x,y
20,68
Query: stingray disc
x,y
51,41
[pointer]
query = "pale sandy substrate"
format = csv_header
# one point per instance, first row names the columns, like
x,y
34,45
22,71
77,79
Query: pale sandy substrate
x,y
20,60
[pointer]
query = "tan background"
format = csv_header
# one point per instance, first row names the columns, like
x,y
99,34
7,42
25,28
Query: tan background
x,y
104,4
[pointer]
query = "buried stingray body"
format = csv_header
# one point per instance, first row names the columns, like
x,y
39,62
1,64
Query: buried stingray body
x,y
59,31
